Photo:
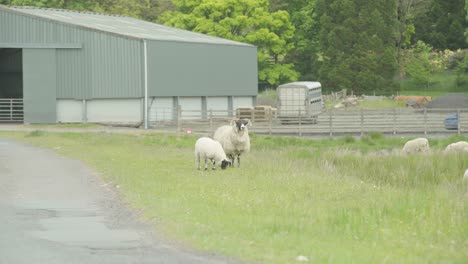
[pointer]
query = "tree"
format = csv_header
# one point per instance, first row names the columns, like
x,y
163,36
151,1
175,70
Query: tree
x,y
466,21
357,40
443,25
305,54
245,21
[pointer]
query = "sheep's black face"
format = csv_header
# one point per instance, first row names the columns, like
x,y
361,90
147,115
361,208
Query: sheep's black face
x,y
224,164
242,124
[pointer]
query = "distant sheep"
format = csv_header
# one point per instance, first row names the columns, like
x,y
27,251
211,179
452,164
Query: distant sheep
x,y
209,149
418,145
234,138
460,146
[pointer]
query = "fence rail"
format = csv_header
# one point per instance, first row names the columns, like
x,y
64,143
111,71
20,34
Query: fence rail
x,y
11,110
333,122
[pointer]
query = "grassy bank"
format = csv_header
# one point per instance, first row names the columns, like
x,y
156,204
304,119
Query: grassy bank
x,y
333,201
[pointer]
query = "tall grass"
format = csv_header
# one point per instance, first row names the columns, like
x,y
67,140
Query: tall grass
x,y
344,200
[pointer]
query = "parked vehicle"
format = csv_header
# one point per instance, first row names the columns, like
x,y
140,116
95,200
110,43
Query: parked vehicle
x,y
451,121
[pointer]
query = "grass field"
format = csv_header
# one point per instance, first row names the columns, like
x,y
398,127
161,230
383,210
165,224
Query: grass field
x,y
345,200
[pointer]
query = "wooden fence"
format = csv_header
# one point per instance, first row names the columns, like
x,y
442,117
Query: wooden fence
x,y
334,122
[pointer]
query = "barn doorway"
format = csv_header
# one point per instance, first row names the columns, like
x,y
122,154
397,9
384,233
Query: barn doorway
x,y
11,85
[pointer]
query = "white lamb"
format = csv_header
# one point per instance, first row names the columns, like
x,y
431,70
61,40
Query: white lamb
x,y
418,145
234,138
460,146
207,148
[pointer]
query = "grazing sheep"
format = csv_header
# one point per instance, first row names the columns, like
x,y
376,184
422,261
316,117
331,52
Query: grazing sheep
x,y
418,145
460,146
465,177
207,148
234,138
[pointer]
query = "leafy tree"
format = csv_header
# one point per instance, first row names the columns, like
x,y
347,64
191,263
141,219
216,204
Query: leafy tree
x,y
152,9
246,21
305,54
462,72
357,40
417,63
466,21
443,24
406,12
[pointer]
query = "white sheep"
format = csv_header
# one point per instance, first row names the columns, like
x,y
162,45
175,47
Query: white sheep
x,y
234,138
418,145
465,177
460,146
207,148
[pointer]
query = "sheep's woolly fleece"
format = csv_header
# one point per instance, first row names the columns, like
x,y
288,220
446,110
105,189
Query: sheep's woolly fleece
x,y
209,149
234,138
418,145
460,146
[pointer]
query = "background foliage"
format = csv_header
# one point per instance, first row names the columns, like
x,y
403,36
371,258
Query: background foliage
x,y
360,45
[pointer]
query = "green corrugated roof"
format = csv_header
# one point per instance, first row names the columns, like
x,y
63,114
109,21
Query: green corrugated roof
x,y
121,25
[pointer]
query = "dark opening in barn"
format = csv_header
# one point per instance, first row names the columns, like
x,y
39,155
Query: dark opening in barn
x,y
11,85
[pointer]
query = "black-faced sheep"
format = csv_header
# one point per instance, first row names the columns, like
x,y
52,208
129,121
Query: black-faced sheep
x,y
234,138
209,149
418,145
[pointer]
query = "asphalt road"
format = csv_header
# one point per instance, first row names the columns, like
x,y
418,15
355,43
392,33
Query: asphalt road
x,y
55,210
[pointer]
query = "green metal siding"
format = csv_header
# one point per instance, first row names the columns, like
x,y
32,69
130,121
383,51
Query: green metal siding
x,y
194,69
107,65
39,85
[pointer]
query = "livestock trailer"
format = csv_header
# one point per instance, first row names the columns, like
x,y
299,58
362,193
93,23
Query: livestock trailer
x,y
299,99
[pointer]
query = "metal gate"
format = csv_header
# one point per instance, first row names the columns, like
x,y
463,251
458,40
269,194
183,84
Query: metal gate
x,y
11,110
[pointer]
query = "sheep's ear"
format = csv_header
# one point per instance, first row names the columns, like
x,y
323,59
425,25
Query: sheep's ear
x,y
233,122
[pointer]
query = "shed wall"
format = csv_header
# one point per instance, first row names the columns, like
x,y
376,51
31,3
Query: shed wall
x,y
106,65
195,69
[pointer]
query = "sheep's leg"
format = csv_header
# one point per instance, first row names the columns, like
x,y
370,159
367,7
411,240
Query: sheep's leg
x,y
213,166
198,162
231,158
206,164
238,161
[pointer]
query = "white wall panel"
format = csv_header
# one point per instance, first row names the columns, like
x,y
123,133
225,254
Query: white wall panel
x,y
115,111
162,108
217,103
69,111
241,101
191,107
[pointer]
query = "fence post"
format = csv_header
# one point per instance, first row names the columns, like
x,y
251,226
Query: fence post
x,y
362,122
211,120
300,123
331,122
425,121
252,115
179,118
458,122
394,121
270,115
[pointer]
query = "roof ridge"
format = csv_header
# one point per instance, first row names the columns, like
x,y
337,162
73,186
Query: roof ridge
x,y
66,10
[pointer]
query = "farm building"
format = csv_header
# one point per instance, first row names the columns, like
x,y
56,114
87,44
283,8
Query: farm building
x,y
73,67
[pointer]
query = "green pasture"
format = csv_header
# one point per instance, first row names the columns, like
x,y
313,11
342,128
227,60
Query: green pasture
x,y
343,200
439,84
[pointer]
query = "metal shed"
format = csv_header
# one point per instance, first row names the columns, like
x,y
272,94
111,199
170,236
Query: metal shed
x,y
70,66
